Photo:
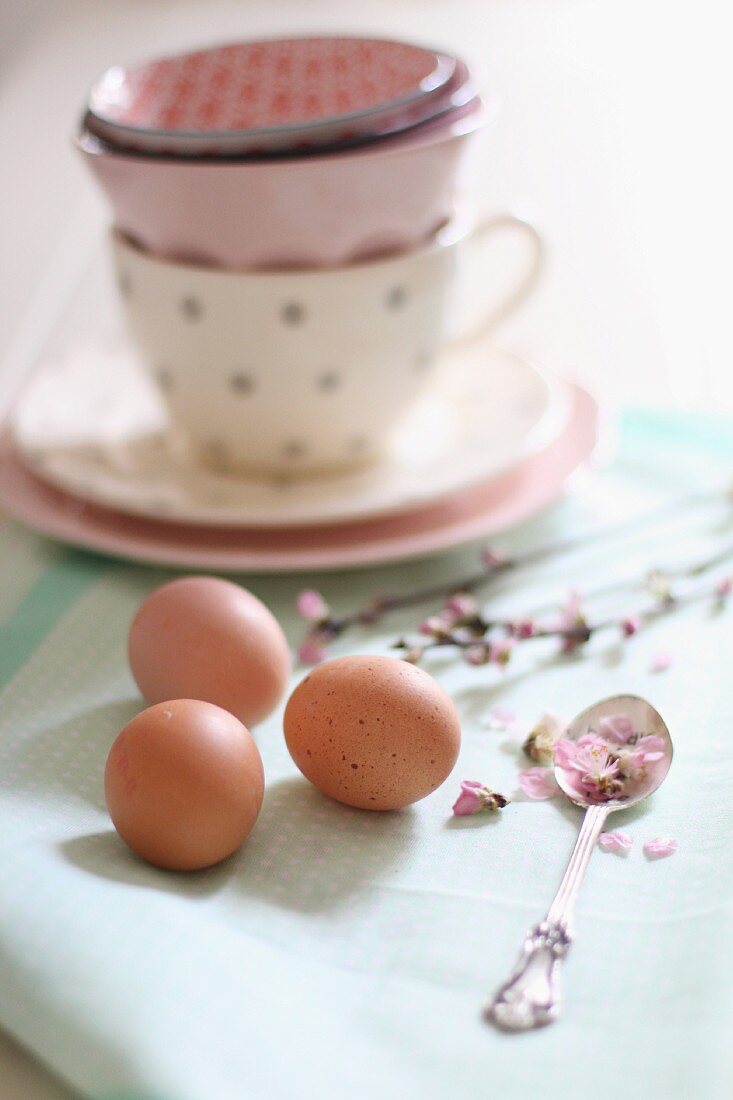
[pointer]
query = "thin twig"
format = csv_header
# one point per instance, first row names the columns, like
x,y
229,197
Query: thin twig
x,y
474,634
334,626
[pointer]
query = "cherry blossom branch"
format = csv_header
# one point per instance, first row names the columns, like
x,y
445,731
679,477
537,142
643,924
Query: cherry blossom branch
x,y
493,641
325,626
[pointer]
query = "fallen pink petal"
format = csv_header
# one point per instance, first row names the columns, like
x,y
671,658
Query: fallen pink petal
x,y
660,662
500,652
468,801
502,716
312,652
477,798
631,625
523,629
476,654
311,605
462,606
617,728
615,841
493,558
540,742
435,627
651,747
660,847
538,783
572,620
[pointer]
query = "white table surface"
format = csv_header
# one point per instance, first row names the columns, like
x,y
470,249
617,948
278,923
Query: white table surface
x,y
612,133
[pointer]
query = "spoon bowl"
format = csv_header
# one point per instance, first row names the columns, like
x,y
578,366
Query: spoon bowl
x,y
645,721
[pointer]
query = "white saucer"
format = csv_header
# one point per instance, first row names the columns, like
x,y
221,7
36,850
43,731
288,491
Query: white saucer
x,y
92,425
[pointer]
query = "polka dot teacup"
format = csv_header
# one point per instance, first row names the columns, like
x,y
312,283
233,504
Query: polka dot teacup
x,y
290,372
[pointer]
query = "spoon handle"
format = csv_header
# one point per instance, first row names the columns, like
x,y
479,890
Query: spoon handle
x,y
530,997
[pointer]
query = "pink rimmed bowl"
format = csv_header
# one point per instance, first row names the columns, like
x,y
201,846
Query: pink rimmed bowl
x,y
280,94
318,210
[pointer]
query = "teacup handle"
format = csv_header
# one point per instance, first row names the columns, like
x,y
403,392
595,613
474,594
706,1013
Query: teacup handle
x,y
515,297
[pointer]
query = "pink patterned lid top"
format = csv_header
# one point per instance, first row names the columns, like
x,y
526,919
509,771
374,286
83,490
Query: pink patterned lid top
x,y
271,84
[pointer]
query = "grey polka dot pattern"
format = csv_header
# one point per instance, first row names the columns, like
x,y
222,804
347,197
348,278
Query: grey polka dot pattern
x,y
241,384
164,379
282,481
358,445
328,382
95,454
192,309
124,282
423,362
294,449
396,297
217,454
293,313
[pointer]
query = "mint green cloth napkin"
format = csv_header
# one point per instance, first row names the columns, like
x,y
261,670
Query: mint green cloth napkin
x,y
343,953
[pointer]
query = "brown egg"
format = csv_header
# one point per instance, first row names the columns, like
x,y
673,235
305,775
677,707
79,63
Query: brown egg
x,y
206,638
184,784
374,732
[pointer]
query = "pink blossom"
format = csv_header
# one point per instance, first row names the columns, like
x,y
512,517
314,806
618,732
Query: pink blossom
x,y
540,742
660,847
312,652
571,755
312,606
589,767
724,588
538,783
412,654
573,620
469,800
523,629
435,627
571,608
660,662
500,652
476,797
462,606
616,841
476,654
616,728
631,625
631,763
493,558
633,759
652,747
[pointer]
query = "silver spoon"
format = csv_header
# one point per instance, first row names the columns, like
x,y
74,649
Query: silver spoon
x,y
530,997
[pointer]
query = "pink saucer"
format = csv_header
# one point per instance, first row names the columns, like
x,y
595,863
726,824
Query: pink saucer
x,y
477,513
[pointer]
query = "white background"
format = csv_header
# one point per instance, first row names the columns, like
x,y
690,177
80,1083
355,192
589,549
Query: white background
x,y
614,132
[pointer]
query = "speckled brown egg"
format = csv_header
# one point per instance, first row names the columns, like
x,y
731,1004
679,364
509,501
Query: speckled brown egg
x,y
184,784
373,732
207,638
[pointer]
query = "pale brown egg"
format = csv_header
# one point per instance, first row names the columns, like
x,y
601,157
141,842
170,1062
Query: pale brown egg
x,y
374,732
207,638
184,784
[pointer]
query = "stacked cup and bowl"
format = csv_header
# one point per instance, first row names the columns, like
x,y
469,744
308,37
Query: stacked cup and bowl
x,y
280,212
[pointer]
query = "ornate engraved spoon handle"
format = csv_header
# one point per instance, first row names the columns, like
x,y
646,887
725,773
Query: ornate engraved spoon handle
x,y
530,997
